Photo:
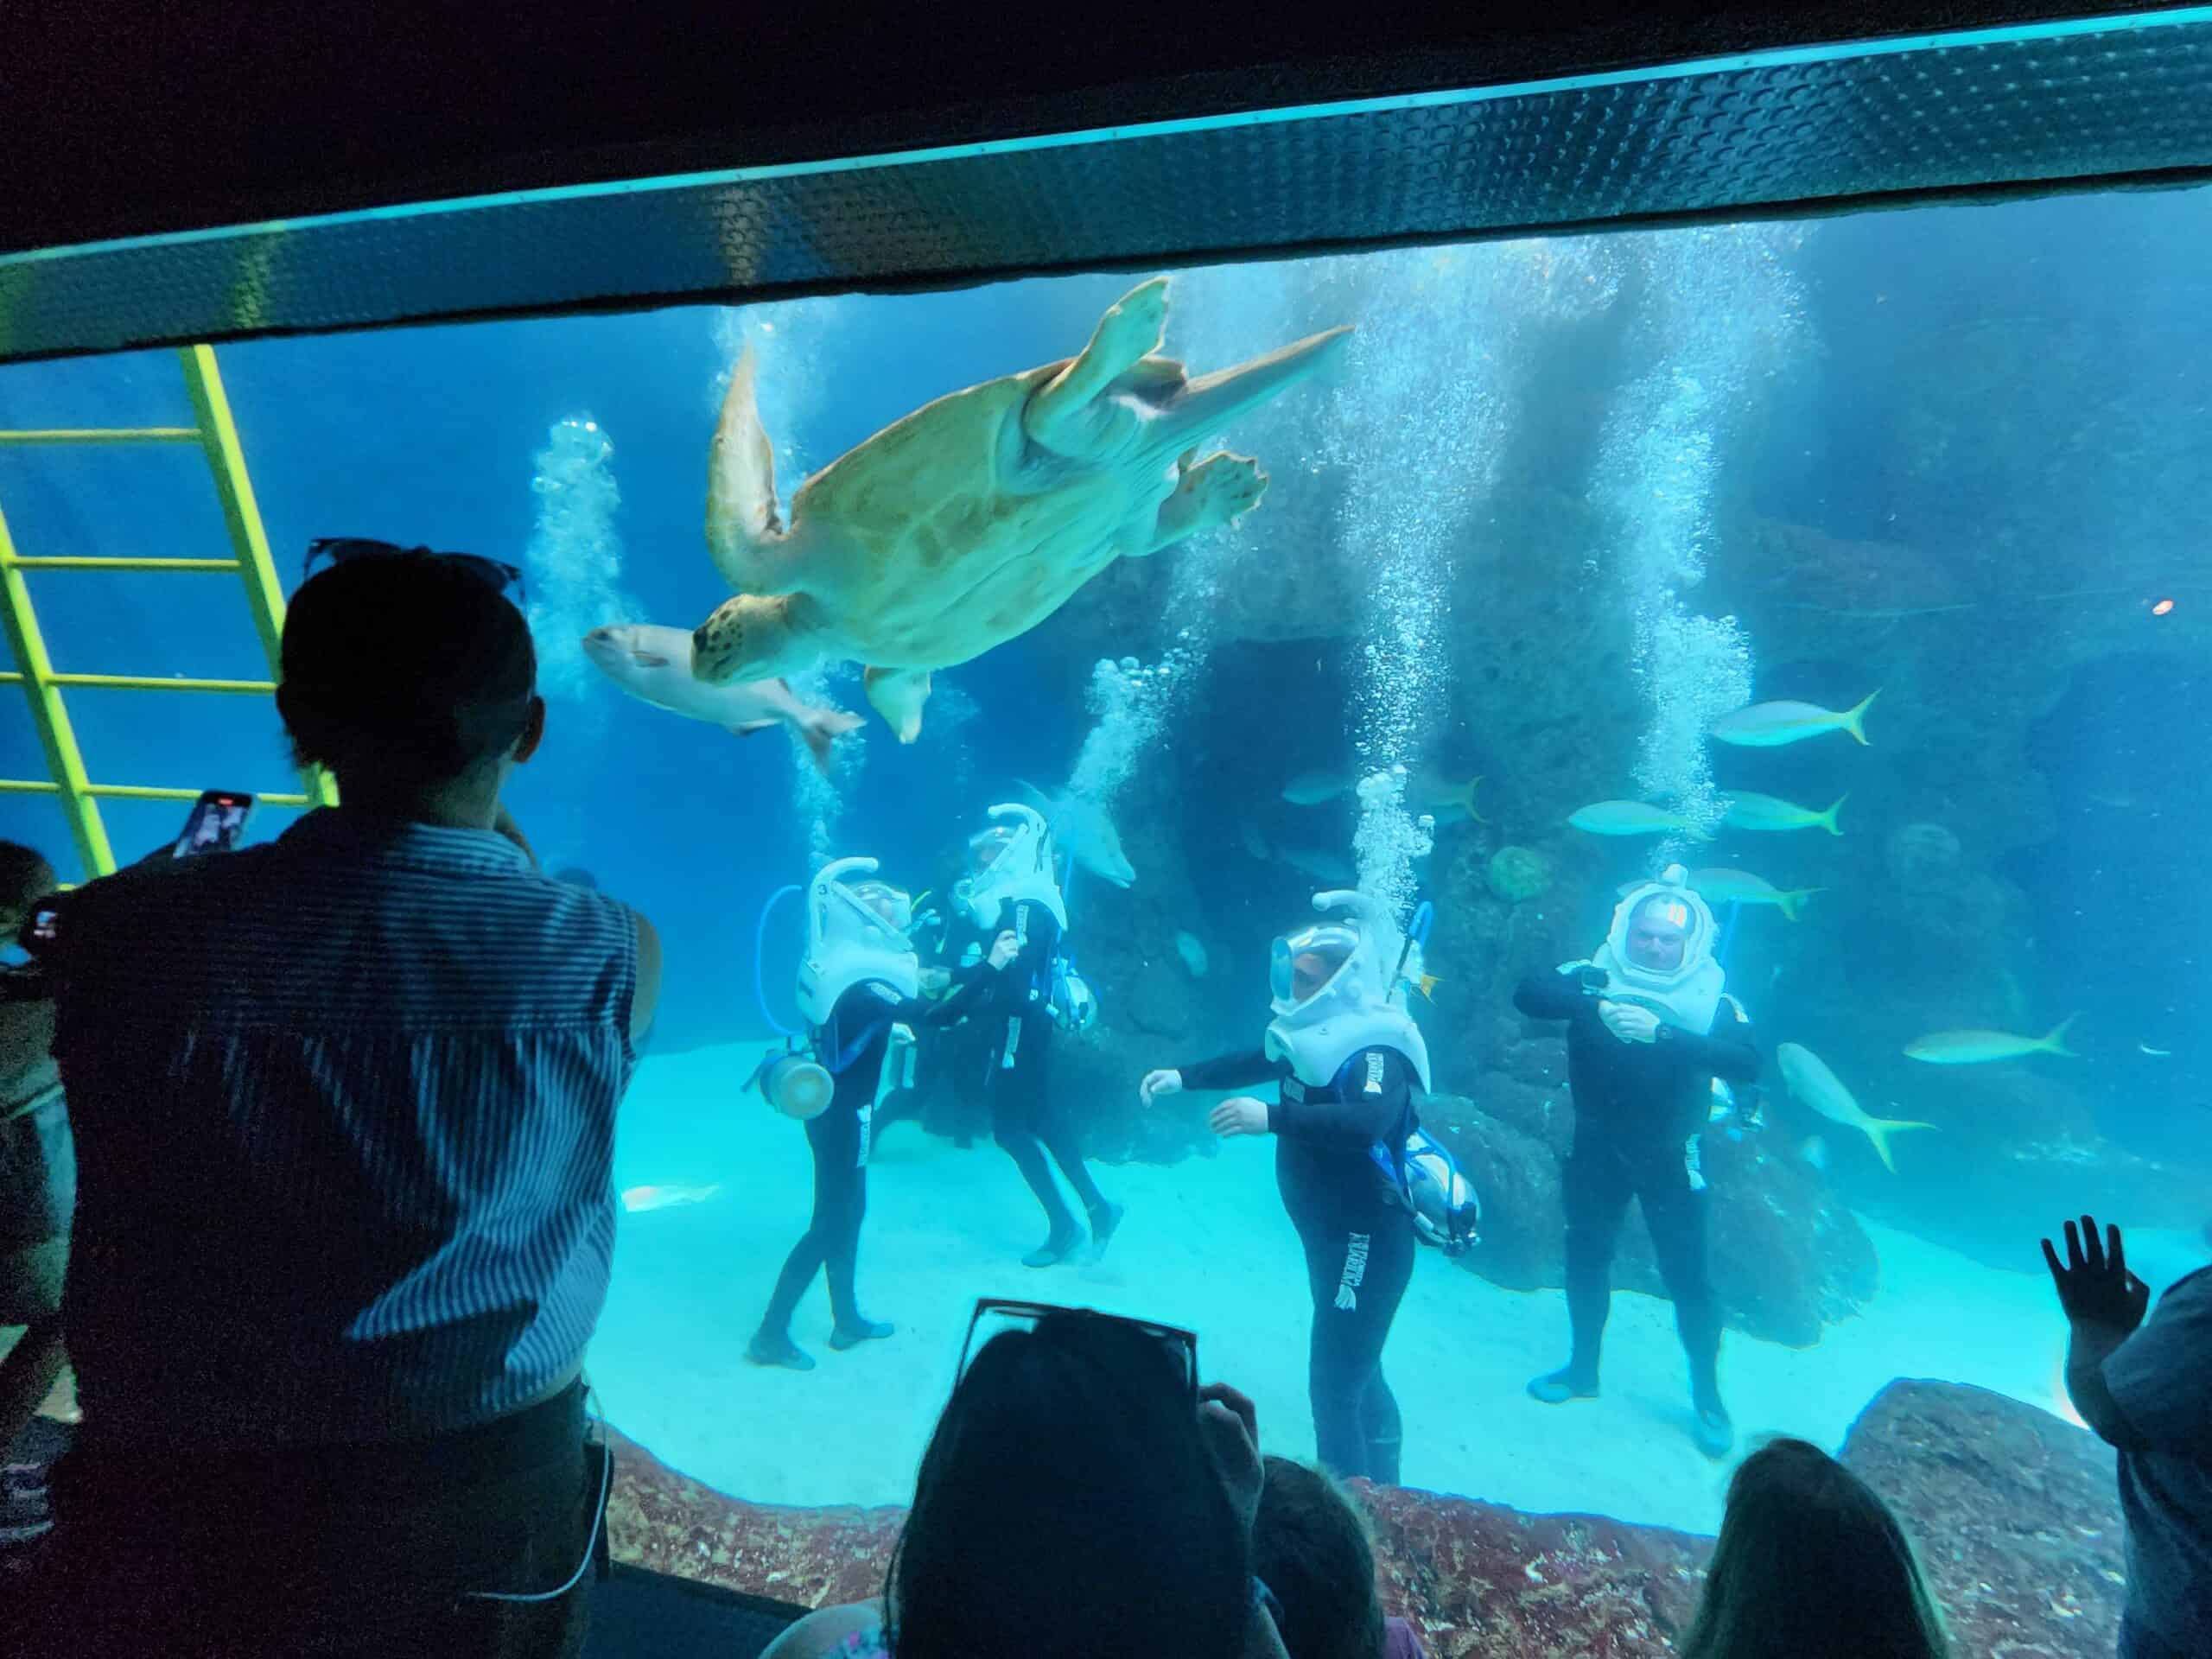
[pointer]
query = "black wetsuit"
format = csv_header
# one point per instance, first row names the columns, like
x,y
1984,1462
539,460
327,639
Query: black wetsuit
x,y
950,1071
1639,1109
852,1048
1014,1006
1358,1238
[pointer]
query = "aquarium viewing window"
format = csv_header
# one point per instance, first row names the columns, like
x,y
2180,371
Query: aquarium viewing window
x,y
1655,619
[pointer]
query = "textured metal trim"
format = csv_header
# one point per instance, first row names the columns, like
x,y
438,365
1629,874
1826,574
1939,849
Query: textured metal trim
x,y
2105,100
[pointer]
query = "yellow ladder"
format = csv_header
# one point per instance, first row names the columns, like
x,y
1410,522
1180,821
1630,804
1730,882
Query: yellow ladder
x,y
217,436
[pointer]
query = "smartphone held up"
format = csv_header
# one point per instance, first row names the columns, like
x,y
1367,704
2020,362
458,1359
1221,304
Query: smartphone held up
x,y
216,824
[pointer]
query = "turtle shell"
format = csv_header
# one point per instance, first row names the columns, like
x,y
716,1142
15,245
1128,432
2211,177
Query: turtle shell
x,y
949,532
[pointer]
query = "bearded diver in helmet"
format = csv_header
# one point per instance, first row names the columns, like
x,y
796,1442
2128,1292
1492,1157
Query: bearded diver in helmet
x,y
858,989
1012,893
1348,1057
1648,1028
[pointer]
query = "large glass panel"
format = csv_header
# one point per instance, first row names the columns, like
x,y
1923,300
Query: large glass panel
x,y
1542,545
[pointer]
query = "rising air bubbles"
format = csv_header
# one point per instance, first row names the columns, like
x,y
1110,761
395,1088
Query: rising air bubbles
x,y
1724,312
574,559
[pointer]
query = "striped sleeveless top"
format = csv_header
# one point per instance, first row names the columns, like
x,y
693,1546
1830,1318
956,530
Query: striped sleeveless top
x,y
345,1107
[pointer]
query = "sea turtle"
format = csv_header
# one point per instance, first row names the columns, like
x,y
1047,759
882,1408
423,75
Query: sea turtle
x,y
977,517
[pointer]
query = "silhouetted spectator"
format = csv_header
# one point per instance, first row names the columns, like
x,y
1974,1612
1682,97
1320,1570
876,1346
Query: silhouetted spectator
x,y
1810,1564
38,1162
1080,1497
1311,1546
345,1104
2146,1390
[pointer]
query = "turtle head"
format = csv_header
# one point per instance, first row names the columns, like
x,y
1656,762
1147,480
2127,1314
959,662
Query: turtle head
x,y
752,638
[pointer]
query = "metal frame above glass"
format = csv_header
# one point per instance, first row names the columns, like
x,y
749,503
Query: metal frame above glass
x,y
2098,102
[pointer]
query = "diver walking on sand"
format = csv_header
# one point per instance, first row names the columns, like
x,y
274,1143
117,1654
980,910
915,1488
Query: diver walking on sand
x,y
1011,889
1348,1056
1649,1027
859,985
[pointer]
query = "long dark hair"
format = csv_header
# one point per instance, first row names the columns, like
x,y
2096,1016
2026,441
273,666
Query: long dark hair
x,y
1068,1504
1810,1563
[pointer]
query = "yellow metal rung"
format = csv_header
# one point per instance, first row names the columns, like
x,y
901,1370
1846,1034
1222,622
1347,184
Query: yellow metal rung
x,y
158,682
65,762
143,792
87,562
150,682
218,437
105,435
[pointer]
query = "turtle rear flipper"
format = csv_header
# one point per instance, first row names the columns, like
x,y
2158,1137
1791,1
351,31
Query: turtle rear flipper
x,y
1209,403
745,531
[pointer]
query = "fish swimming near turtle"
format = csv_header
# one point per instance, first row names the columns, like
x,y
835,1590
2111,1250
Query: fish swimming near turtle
x,y
638,1200
1812,1085
653,664
1981,1047
1084,830
1733,886
974,518
1632,818
1448,800
1770,725
1770,814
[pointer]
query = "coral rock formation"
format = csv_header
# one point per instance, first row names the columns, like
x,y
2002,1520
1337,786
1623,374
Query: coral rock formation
x,y
2013,1512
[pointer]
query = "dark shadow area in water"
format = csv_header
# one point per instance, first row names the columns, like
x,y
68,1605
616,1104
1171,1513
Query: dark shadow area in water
x,y
2118,894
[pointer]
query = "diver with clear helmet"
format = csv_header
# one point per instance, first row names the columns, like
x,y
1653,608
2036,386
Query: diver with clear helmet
x,y
1010,888
858,989
1649,1027
1348,1057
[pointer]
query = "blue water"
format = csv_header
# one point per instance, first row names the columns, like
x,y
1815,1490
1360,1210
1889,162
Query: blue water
x,y
1986,432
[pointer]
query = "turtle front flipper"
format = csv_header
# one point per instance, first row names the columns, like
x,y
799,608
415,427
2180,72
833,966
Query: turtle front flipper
x,y
898,695
745,531
1067,414
753,637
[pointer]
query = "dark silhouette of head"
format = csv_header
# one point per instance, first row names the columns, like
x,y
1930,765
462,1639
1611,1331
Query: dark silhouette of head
x,y
1812,1564
1068,1502
409,676
25,878
1310,1546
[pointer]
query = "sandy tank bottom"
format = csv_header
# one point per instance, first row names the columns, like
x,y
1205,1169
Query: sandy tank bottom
x,y
1206,1245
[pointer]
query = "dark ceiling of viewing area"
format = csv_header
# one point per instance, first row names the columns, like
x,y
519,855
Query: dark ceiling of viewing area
x,y
769,141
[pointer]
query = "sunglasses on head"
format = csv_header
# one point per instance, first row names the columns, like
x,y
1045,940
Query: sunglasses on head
x,y
340,550
1182,1345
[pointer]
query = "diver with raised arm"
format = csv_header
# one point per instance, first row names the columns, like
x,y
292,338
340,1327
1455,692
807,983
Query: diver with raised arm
x,y
1358,1176
858,989
1012,889
1649,1027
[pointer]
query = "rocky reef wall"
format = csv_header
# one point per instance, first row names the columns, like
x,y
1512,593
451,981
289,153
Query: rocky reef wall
x,y
2013,1513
